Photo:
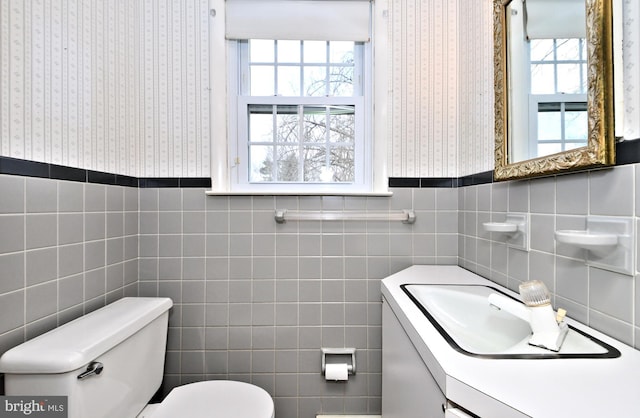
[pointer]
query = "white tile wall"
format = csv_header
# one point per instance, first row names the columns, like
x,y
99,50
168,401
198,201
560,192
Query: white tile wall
x,y
255,300
602,299
66,249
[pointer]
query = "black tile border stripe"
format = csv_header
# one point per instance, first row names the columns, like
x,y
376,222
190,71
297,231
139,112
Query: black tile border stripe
x,y
29,168
195,182
158,182
60,172
627,152
476,179
439,182
407,182
24,167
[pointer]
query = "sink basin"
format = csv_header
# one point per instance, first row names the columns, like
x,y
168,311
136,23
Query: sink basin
x,y
463,316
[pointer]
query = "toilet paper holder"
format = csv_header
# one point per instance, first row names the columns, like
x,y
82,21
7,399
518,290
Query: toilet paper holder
x,y
351,367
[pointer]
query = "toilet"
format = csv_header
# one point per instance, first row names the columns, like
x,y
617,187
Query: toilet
x,y
109,363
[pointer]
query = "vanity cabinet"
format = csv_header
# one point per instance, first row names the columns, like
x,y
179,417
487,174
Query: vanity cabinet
x,y
408,388
424,376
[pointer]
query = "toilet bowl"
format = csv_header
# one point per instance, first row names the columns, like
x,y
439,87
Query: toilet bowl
x,y
110,363
214,398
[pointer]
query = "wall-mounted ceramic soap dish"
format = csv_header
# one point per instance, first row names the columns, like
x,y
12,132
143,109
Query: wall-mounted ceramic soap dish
x,y
608,241
504,227
586,239
515,228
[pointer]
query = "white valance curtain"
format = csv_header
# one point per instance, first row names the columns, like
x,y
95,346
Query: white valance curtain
x,y
555,19
331,20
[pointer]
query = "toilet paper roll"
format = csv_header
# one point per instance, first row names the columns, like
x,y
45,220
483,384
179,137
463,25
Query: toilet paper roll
x,y
337,371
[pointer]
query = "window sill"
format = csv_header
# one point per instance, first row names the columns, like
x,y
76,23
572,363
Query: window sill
x,y
285,193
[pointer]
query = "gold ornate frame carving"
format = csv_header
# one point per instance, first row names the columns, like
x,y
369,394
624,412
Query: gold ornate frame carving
x,y
600,148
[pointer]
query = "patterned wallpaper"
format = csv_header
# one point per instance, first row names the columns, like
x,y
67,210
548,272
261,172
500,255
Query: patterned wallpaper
x,y
174,88
475,86
67,70
631,63
442,86
114,85
424,89
122,86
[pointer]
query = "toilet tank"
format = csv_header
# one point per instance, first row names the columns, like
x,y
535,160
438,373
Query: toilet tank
x,y
128,337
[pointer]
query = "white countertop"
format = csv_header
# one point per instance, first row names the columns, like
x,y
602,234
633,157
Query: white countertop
x,y
494,388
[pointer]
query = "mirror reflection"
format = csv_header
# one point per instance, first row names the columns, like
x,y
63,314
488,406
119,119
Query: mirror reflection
x,y
547,77
553,86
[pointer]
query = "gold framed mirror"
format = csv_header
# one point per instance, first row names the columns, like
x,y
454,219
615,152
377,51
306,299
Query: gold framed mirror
x,y
515,109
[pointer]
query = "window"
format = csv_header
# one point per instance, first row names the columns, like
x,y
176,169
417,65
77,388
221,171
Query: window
x,y
295,113
300,115
558,99
558,66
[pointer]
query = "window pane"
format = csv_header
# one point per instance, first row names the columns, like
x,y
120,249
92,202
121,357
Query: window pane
x,y
568,49
315,124
548,149
559,70
542,50
341,81
287,163
342,164
542,79
261,163
289,51
262,81
341,52
261,50
315,81
287,124
315,51
314,164
573,145
260,126
569,79
295,142
575,124
549,126
289,81
342,123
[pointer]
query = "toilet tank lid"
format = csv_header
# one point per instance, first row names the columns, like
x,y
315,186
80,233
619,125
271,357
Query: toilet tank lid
x,y
76,343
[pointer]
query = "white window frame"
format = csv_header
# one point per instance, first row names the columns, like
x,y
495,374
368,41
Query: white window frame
x,y
558,97
534,104
238,128
224,117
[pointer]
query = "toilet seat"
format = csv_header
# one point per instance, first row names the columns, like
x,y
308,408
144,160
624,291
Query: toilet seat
x,y
213,399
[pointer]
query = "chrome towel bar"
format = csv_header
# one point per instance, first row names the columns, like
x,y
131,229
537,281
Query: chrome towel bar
x,y
407,216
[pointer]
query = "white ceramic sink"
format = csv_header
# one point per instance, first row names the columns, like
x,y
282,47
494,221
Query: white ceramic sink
x,y
463,316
